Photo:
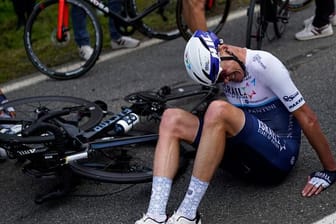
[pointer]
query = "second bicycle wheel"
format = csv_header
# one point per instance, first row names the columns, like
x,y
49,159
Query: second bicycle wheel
x,y
158,24
60,58
216,15
256,26
130,162
281,18
86,114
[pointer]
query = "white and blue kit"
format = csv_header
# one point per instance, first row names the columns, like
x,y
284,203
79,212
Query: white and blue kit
x,y
268,145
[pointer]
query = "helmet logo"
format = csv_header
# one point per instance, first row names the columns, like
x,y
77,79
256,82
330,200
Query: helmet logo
x,y
211,45
187,63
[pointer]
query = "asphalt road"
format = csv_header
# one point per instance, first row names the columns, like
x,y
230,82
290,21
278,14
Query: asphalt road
x,y
228,200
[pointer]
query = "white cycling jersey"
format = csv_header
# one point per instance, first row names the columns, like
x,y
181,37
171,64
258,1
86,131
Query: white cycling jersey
x,y
266,80
271,135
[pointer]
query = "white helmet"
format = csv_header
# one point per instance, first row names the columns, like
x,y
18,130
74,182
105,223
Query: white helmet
x,y
201,58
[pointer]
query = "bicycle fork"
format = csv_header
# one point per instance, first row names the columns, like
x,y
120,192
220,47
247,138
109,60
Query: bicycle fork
x,y
62,21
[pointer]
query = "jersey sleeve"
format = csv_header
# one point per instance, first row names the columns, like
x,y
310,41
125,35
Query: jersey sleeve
x,y
276,76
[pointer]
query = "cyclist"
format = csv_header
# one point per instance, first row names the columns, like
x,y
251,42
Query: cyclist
x,y
258,127
82,37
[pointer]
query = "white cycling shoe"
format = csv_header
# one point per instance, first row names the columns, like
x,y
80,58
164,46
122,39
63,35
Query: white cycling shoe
x,y
148,220
178,219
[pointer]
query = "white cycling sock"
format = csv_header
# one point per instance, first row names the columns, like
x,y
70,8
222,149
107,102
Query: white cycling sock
x,y
193,197
161,187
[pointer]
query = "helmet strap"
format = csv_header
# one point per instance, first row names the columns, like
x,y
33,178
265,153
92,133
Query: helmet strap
x,y
234,58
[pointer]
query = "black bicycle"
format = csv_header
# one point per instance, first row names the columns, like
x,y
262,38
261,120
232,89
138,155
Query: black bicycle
x,y
49,39
66,137
260,14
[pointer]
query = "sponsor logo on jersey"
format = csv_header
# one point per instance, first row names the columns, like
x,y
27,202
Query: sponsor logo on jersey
x,y
291,97
257,58
246,92
296,103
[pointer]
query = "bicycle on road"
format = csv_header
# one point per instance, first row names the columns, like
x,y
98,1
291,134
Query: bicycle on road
x,y
67,138
261,13
49,39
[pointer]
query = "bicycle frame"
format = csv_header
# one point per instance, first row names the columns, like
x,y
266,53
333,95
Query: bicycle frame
x,y
57,147
271,12
63,14
62,19
100,136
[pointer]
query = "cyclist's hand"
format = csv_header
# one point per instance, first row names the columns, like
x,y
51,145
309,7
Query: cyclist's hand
x,y
318,181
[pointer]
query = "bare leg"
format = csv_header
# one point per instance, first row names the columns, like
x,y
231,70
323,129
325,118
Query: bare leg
x,y
176,124
221,120
194,14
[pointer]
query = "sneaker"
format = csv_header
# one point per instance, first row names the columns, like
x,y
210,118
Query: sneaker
x,y
85,52
148,220
310,32
332,19
178,219
125,42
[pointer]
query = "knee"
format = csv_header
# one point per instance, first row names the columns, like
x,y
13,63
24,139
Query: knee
x,y
217,113
171,121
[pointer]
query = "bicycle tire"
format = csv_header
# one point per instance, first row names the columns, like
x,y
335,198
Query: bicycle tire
x,y
254,28
162,22
26,110
54,58
216,17
282,18
128,163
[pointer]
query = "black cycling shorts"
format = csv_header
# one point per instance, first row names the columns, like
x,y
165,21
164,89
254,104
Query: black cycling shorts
x,y
257,152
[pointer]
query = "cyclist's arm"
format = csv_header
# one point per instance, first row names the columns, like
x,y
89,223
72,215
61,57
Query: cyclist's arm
x,y
194,14
312,130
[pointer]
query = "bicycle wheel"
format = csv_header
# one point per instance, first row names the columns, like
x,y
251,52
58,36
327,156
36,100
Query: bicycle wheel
x,y
216,16
60,59
157,24
87,114
281,18
128,162
256,25
43,148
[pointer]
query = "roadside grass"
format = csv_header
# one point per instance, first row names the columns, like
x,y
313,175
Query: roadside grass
x,y
14,62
